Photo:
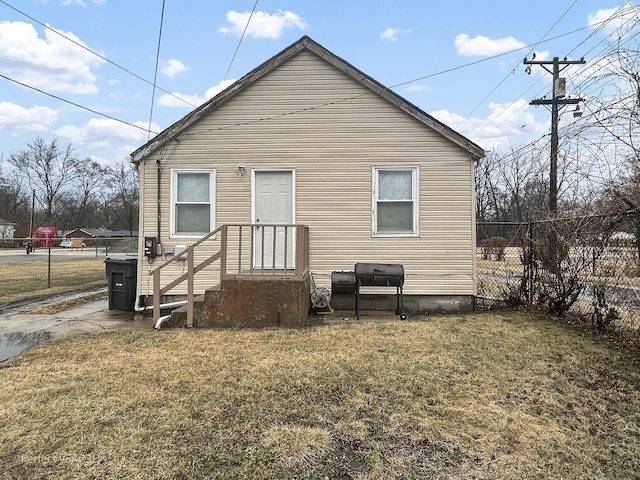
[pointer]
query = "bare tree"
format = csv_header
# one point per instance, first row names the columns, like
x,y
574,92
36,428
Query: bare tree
x,y
489,195
124,197
48,169
510,188
601,145
81,202
622,197
15,202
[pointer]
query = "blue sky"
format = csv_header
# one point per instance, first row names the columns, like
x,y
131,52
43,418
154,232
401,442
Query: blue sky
x,y
459,61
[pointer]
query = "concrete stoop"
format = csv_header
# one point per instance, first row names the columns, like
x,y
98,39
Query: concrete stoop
x,y
251,302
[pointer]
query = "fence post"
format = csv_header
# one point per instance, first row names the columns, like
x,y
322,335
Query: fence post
x,y
530,263
49,266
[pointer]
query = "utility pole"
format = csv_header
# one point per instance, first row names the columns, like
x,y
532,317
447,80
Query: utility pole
x,y
33,206
557,100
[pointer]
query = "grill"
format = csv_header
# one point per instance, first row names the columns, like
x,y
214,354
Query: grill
x,y
380,275
343,282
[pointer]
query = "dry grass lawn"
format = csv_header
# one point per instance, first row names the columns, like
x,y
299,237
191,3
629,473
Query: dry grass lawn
x,y
485,396
22,281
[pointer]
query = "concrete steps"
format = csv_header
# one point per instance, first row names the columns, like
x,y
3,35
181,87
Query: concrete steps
x,y
254,302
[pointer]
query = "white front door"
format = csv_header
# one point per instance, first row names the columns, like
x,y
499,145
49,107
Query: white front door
x,y
273,205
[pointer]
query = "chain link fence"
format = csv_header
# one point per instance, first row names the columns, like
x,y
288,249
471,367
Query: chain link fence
x,y
585,265
30,269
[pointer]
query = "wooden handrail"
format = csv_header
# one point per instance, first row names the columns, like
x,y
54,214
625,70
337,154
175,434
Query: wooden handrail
x,y
301,258
158,292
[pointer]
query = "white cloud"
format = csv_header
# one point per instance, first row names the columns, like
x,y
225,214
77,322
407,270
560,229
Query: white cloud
x,y
16,119
505,125
457,122
543,55
614,19
484,46
180,100
392,34
194,100
53,64
262,24
414,87
105,133
82,3
172,68
216,89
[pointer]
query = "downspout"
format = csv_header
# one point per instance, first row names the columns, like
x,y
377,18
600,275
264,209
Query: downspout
x,y
160,321
159,168
139,308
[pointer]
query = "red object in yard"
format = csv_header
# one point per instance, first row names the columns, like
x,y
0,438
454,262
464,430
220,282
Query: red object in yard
x,y
44,236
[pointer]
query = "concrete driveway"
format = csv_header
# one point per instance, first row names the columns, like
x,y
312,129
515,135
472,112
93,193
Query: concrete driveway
x,y
21,329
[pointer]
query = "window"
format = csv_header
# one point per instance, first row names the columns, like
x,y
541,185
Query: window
x,y
193,194
395,208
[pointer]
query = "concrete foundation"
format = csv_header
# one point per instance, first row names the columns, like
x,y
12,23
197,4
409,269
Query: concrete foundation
x,y
261,302
416,304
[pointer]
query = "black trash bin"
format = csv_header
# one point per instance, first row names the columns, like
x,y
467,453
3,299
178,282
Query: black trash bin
x,y
122,272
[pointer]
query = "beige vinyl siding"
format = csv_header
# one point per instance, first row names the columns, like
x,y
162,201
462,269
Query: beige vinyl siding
x,y
310,117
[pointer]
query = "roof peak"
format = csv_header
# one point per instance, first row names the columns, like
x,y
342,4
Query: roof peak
x,y
303,43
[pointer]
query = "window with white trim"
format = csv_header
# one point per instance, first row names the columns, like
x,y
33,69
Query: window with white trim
x,y
395,205
192,202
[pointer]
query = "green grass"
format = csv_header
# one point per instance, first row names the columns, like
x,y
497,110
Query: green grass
x,y
485,396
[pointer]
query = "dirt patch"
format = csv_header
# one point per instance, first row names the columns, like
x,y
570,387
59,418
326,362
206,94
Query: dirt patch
x,y
58,307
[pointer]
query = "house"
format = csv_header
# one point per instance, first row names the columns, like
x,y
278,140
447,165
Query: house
x,y
99,233
357,173
91,236
7,229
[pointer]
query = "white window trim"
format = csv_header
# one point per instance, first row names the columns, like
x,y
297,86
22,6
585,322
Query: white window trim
x,y
174,193
415,175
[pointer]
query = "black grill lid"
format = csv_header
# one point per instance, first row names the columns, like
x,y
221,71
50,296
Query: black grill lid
x,y
379,274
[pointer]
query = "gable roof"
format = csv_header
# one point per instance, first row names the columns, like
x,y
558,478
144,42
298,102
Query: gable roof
x,y
304,44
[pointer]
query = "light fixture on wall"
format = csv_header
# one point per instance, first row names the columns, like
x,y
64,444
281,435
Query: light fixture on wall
x,y
240,170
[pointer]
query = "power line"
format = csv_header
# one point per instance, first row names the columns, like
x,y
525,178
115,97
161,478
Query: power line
x,y
486,59
155,75
530,50
340,100
257,120
598,26
73,103
442,72
241,38
84,47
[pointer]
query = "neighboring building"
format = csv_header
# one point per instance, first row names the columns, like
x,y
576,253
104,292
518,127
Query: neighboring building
x,y
98,236
99,233
375,178
7,229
